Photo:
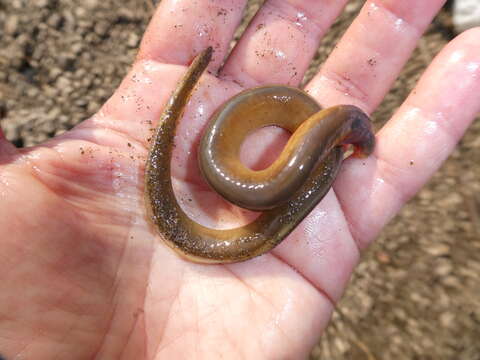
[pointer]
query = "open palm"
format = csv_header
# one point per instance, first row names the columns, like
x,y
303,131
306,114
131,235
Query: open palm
x,y
84,275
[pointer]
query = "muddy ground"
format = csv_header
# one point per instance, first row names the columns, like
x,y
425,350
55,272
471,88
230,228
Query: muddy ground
x,y
416,294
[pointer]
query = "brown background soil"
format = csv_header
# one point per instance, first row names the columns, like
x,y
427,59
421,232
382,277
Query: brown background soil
x,y
416,294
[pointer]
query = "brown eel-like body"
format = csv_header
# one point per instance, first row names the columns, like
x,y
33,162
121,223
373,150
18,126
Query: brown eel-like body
x,y
286,191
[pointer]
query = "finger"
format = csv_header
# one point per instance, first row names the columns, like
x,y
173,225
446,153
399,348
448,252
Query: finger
x,y
412,145
180,29
280,42
372,52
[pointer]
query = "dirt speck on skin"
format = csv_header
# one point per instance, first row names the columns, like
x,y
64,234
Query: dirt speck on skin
x,y
416,293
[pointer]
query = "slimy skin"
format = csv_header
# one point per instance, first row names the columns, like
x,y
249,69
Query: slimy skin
x,y
286,191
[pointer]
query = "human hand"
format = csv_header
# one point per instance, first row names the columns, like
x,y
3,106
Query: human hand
x,y
85,276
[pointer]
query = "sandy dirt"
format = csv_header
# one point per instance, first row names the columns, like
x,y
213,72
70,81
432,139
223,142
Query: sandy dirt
x,y
416,294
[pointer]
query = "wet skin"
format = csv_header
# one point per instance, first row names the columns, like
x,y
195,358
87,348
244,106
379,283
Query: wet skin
x,y
286,191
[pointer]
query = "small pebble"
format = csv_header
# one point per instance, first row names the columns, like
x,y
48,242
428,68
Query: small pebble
x,y
133,40
11,25
466,14
438,249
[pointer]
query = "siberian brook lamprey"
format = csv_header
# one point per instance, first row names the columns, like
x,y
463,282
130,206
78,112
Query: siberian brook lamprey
x,y
286,191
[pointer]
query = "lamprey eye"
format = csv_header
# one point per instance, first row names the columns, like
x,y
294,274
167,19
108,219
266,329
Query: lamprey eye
x,y
285,192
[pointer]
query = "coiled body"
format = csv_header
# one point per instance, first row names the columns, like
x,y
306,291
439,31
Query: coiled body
x,y
286,191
